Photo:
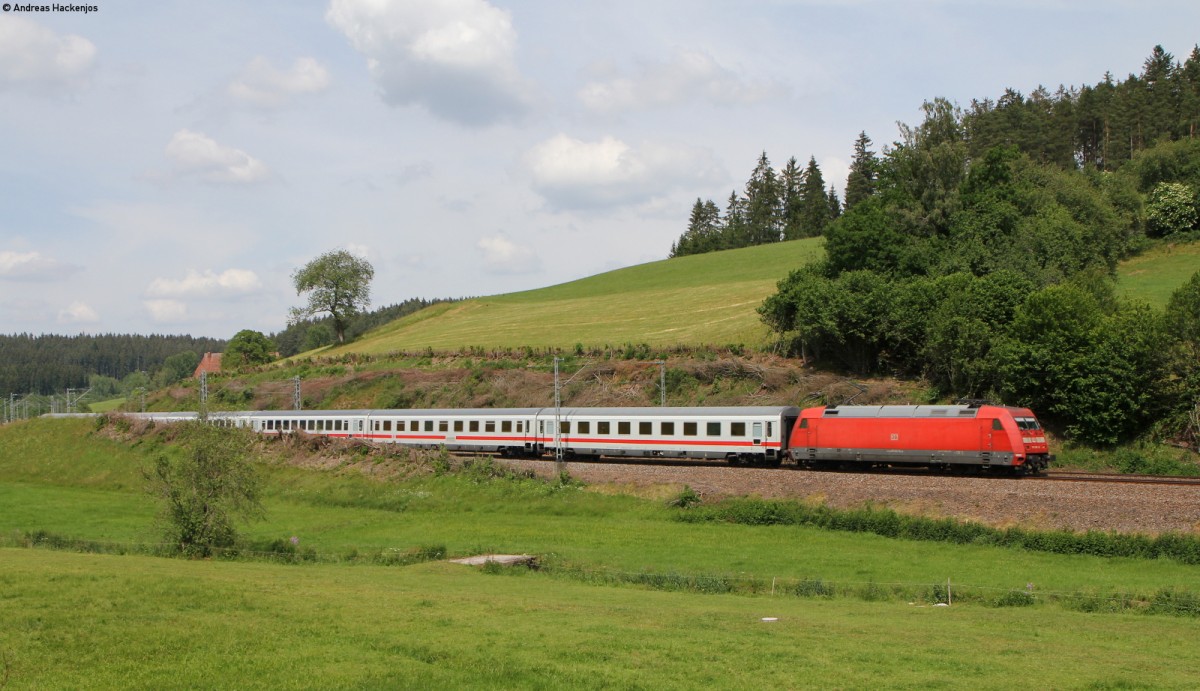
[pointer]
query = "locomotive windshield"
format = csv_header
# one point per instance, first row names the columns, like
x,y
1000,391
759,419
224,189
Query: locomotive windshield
x,y
1028,423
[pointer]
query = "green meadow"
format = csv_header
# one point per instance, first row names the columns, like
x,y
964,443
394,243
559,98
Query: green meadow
x,y
592,617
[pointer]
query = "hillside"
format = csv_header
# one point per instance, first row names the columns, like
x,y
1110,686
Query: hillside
x,y
705,299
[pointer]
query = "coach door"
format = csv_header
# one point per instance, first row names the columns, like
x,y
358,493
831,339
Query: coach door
x,y
758,433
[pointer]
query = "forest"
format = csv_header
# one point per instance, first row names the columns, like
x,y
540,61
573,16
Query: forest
x,y
50,364
979,250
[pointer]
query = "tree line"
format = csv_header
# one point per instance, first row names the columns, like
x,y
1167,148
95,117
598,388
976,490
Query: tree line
x,y
982,257
1097,127
49,363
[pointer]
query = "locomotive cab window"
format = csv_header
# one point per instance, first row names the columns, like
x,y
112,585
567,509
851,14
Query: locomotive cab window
x,y
996,424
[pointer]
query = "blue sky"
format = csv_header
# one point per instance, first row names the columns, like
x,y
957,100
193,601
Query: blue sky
x,y
165,166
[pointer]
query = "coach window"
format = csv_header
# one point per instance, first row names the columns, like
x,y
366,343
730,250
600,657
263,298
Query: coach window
x,y
489,425
770,429
458,425
506,425
585,427
339,425
443,426
603,427
645,428
737,429
320,425
387,425
623,428
564,427
429,425
689,429
667,429
474,426
713,429
520,425
399,425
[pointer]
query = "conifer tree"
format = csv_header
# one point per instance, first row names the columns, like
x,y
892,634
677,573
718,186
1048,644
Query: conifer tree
x,y
864,170
792,181
763,204
815,203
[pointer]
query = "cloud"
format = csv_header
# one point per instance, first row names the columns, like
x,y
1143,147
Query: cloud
x,y
196,155
34,56
78,313
688,76
453,57
208,283
166,311
570,173
502,256
261,84
30,266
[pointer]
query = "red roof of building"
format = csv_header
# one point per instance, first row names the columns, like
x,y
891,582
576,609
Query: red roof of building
x,y
211,362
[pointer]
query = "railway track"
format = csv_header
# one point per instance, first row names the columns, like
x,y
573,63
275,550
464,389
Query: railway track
x,y
1118,478
1051,476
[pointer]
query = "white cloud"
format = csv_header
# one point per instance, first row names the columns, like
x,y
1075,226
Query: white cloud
x,y
261,84
688,76
32,55
166,311
28,266
78,313
197,155
570,173
502,256
454,57
208,283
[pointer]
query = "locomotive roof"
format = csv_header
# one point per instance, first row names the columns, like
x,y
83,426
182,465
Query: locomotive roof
x,y
947,411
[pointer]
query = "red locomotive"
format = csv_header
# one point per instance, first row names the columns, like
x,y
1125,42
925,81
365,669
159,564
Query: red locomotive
x,y
937,436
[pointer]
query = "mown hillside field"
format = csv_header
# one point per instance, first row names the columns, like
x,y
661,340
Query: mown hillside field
x,y
697,300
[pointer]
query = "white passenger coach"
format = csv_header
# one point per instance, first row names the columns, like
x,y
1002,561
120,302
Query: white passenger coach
x,y
756,435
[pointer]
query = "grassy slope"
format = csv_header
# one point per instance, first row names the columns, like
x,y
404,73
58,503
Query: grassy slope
x,y
701,299
1154,275
114,622
707,299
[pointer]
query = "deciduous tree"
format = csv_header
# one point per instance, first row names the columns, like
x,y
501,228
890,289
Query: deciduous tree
x,y
337,283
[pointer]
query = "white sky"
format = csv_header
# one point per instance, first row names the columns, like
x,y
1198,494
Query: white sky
x,y
165,166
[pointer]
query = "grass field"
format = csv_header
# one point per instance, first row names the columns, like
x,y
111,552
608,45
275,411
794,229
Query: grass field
x,y
1154,275
700,299
707,299
106,621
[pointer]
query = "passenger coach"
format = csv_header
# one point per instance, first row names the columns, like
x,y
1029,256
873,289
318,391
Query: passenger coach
x,y
755,435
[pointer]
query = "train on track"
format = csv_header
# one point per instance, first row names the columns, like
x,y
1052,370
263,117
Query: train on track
x,y
943,437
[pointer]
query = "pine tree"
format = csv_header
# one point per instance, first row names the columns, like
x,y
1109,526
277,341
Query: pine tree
x,y
792,181
763,204
703,231
814,202
733,225
864,170
835,206
1189,96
